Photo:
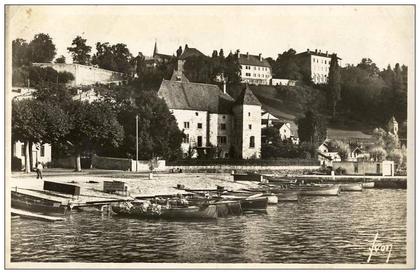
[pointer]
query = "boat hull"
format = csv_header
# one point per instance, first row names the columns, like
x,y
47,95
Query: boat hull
x,y
254,204
351,187
370,184
332,190
189,213
288,196
32,203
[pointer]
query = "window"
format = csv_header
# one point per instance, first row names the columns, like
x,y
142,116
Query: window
x,y
186,138
186,125
199,141
22,150
248,74
199,125
196,114
378,168
222,140
223,126
250,126
249,114
252,142
223,116
42,153
356,168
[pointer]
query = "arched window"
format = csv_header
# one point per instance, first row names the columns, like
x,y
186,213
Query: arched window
x,y
252,142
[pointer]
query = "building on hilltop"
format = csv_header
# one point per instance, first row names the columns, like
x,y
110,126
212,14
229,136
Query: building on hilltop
x,y
86,74
157,58
211,118
316,64
254,69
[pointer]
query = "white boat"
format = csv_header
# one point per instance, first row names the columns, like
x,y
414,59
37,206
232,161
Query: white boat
x,y
351,187
369,184
320,190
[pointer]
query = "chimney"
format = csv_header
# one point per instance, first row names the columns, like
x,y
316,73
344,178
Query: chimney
x,y
307,50
238,53
316,51
326,52
247,55
260,57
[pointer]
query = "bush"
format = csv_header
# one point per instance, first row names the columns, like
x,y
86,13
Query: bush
x,y
340,171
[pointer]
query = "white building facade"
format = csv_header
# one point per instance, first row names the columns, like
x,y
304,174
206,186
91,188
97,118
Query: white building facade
x,y
210,118
317,64
254,69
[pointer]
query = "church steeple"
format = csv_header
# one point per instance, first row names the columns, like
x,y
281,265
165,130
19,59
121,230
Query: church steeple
x,y
155,50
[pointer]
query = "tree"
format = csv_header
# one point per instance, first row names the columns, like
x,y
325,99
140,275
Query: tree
x,y
20,53
312,128
286,66
179,51
42,49
94,127
370,67
60,60
35,121
334,85
39,76
113,57
159,135
378,153
342,148
80,51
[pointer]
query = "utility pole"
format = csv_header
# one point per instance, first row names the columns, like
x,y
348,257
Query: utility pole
x,y
137,142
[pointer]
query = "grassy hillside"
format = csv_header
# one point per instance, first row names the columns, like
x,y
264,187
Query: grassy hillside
x,y
290,103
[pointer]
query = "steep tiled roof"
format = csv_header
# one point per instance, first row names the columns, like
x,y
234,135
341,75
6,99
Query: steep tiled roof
x,y
195,96
253,60
247,98
189,52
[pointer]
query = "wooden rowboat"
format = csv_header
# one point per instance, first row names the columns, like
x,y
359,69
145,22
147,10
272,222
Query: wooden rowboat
x,y
33,201
369,184
320,190
161,212
351,187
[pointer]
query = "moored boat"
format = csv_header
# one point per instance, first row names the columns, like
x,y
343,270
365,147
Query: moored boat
x,y
254,204
368,184
351,187
37,202
287,196
155,211
319,190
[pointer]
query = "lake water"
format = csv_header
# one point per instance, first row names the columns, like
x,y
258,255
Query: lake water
x,y
315,230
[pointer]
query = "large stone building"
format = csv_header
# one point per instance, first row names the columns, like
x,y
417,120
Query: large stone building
x,y
254,69
211,118
86,74
316,64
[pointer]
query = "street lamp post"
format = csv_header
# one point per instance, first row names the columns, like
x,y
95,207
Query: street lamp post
x,y
137,142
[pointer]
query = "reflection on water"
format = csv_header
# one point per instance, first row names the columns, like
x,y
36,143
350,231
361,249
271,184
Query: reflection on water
x,y
315,230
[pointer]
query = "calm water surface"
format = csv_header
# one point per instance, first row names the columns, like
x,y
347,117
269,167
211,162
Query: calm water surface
x,y
315,230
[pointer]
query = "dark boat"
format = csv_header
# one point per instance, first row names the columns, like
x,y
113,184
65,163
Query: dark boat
x,y
37,202
136,210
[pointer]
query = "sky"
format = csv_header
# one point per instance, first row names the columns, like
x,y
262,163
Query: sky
x,y
383,33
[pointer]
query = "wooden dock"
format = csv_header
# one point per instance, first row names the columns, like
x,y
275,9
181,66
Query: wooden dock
x,y
30,215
